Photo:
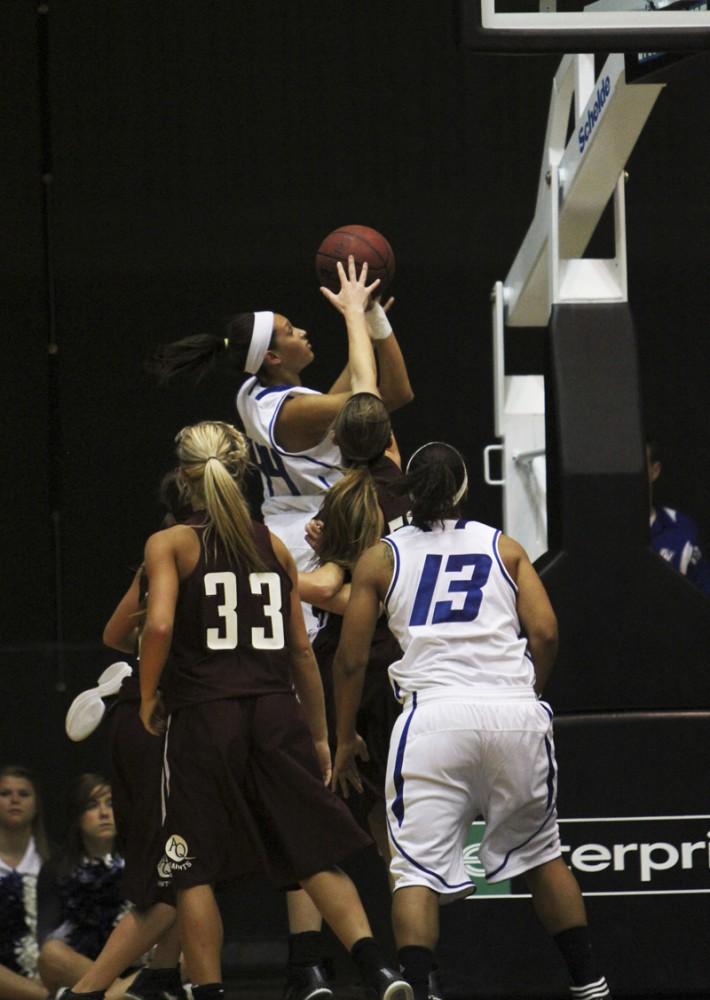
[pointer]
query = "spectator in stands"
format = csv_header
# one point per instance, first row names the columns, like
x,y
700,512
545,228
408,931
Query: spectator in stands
x,y
674,535
23,848
79,897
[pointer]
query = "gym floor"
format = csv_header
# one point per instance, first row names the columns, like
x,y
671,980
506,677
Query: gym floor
x,y
271,989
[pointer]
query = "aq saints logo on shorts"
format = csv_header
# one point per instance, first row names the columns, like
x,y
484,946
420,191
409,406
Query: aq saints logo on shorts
x,y
175,859
176,849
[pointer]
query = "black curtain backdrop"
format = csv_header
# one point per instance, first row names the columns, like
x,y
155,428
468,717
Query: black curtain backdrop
x,y
194,156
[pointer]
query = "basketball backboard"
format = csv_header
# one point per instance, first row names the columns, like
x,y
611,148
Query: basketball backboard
x,y
584,26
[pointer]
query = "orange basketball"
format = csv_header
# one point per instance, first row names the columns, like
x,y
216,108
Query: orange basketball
x,y
366,245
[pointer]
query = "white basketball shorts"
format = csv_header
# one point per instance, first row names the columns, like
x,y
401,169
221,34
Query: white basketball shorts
x,y
459,755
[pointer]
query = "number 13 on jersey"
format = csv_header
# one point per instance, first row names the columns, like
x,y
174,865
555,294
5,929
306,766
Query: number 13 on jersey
x,y
477,564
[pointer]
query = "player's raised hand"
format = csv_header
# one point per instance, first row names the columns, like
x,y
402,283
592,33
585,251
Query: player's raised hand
x,y
345,772
354,291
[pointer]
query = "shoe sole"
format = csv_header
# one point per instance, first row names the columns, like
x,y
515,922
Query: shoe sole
x,y
398,991
163,994
87,710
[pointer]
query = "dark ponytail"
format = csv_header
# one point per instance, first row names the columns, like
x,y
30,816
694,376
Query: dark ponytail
x,y
198,354
435,474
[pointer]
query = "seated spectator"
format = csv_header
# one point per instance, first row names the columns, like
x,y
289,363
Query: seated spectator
x,y
23,848
674,535
79,896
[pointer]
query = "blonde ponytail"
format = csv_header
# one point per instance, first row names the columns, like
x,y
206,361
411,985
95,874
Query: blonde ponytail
x,y
352,519
213,458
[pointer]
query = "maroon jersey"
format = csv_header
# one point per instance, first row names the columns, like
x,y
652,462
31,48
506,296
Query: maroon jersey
x,y
230,628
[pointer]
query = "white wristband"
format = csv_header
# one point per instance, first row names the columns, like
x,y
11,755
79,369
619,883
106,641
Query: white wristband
x,y
378,325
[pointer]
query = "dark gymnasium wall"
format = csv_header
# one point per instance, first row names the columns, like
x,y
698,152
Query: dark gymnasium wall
x,y
166,164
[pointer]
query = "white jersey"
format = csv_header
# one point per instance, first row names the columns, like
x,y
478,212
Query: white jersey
x,y
291,480
451,606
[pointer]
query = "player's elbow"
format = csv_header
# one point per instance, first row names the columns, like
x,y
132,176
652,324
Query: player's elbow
x,y
301,653
158,629
396,400
544,636
118,639
349,665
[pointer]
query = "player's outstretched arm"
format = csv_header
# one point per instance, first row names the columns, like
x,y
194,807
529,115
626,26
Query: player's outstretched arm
x,y
306,676
351,301
305,418
121,630
534,609
394,385
325,588
393,380
160,562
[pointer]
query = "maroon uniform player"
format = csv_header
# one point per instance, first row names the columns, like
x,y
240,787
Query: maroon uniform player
x,y
357,511
247,759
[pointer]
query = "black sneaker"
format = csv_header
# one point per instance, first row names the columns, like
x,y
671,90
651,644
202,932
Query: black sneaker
x,y
386,984
156,984
307,982
435,991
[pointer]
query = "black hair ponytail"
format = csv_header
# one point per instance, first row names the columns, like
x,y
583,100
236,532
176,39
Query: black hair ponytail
x,y
198,354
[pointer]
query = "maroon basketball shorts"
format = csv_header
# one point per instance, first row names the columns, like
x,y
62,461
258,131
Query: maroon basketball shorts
x,y
244,794
136,769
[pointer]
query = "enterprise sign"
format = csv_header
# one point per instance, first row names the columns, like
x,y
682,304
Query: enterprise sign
x,y
619,856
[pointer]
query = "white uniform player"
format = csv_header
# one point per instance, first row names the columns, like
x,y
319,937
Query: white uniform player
x,y
473,739
293,482
466,680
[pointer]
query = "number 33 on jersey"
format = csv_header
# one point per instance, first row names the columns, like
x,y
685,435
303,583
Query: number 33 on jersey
x,y
267,604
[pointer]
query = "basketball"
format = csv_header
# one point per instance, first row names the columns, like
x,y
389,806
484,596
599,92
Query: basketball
x,y
366,245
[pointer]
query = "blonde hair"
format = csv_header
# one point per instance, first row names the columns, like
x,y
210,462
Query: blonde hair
x,y
363,429
213,459
352,519
351,513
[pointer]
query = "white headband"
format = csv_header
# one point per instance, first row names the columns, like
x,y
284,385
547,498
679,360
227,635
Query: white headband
x,y
260,340
462,488
464,485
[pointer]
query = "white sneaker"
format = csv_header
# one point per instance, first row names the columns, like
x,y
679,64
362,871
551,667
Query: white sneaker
x,y
87,709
